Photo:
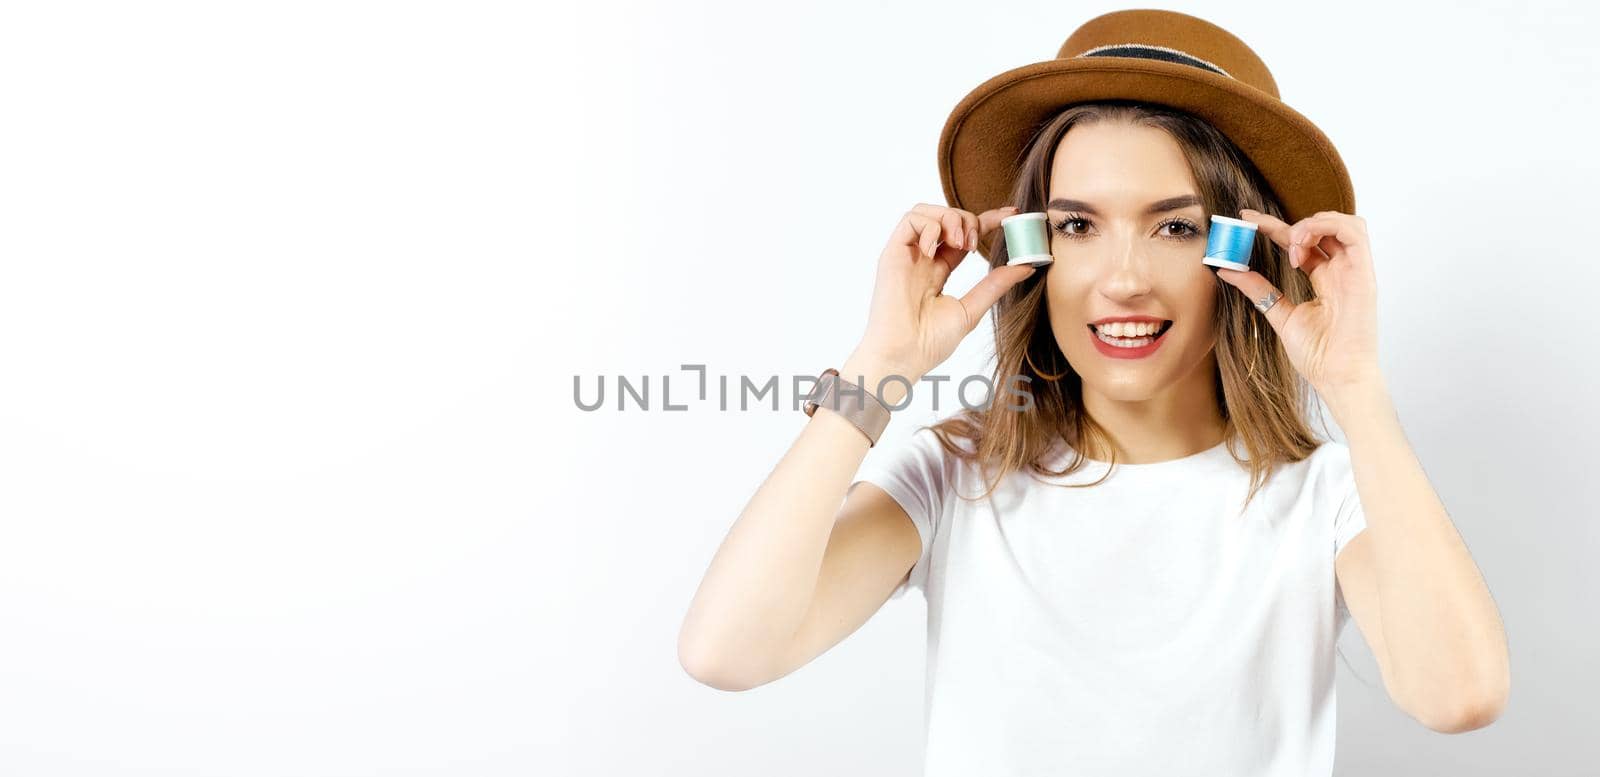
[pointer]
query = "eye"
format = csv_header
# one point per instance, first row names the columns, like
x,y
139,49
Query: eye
x,y
1074,227
1186,228
1064,227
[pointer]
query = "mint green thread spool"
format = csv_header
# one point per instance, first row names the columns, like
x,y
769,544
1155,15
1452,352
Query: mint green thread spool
x,y
1027,239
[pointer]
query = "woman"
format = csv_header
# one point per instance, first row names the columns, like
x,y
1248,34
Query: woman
x,y
1145,568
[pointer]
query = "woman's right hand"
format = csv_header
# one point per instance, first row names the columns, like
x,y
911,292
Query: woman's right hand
x,y
913,326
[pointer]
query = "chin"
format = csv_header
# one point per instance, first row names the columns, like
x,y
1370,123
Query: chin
x,y
1126,388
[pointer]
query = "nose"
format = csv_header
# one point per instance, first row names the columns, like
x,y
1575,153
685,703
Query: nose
x,y
1126,272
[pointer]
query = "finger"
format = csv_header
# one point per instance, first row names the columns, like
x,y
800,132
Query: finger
x,y
949,220
1267,224
909,231
945,261
973,230
990,288
1312,230
912,232
949,257
954,253
989,221
1312,257
914,228
1348,237
920,233
944,250
1291,237
1256,287
1279,232
928,238
1276,230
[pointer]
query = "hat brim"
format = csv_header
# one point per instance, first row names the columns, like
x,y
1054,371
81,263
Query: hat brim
x,y
984,137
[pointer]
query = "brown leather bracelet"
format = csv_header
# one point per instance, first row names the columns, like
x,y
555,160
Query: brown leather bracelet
x,y
861,407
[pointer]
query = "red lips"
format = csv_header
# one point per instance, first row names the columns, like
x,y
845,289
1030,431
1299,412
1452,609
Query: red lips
x,y
1118,352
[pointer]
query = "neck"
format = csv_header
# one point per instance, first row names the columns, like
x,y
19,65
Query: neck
x,y
1181,420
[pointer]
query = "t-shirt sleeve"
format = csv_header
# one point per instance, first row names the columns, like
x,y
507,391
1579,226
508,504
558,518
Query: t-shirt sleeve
x,y
1350,519
914,472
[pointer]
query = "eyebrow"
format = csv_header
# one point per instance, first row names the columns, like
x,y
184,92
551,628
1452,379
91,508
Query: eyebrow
x,y
1159,206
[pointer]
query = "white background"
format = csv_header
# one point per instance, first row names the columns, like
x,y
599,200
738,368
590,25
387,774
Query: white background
x,y
292,480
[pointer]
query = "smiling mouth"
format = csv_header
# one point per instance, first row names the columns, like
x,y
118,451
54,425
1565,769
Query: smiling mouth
x,y
1131,342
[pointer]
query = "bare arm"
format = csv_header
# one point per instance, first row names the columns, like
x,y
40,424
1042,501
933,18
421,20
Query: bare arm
x,y
797,572
1408,580
1411,585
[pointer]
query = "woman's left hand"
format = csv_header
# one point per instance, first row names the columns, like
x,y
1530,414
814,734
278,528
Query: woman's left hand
x,y
1332,339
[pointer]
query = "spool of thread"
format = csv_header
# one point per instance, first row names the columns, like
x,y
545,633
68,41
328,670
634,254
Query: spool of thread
x,y
1027,239
1229,243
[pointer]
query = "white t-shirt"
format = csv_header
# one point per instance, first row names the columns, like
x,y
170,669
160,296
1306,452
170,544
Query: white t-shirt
x,y
1142,626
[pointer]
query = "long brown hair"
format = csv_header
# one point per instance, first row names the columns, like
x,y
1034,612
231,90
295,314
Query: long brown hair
x,y
1262,398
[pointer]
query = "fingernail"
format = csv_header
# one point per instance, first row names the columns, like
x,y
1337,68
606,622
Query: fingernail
x,y
1248,211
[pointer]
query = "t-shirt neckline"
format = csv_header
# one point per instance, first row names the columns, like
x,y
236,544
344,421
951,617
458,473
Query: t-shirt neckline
x,y
1214,453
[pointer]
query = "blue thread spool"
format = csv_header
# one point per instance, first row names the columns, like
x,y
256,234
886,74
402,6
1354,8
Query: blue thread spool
x,y
1027,239
1229,243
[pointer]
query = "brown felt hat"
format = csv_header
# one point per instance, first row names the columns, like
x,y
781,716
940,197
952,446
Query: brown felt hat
x,y
1154,56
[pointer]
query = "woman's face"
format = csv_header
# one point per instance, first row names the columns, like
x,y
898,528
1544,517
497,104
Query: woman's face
x,y
1116,257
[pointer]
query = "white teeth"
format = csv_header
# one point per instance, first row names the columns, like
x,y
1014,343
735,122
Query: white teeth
x,y
1129,329
1124,342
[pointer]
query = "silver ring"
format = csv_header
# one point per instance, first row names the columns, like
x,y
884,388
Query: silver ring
x,y
1265,303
